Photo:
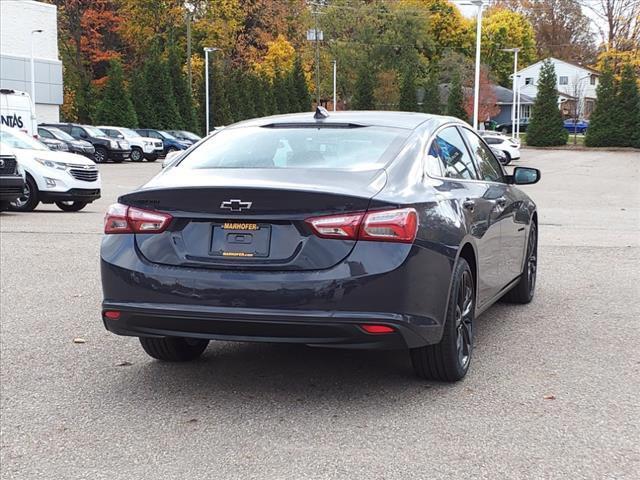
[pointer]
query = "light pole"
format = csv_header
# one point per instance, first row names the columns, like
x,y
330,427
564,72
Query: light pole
x,y
335,72
33,70
190,7
514,105
476,84
206,84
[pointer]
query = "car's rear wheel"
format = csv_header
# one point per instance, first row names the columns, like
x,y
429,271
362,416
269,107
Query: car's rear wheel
x,y
173,349
136,155
507,158
71,206
449,360
525,289
101,155
29,200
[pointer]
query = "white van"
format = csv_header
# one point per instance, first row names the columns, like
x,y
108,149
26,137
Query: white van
x,y
17,111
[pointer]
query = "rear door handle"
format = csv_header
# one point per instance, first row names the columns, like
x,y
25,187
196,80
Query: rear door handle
x,y
469,204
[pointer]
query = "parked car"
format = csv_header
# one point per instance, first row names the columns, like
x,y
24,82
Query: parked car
x,y
53,144
573,125
318,230
509,146
501,156
17,110
141,147
70,181
81,147
106,149
171,143
185,136
505,128
11,179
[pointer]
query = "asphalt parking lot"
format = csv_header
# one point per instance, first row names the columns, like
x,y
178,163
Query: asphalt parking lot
x,y
553,391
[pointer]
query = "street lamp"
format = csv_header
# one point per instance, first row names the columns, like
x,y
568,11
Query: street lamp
x,y
516,102
335,72
476,85
190,8
206,84
33,70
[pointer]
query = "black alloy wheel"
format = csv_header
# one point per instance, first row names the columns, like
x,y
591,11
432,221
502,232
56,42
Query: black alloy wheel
x,y
100,155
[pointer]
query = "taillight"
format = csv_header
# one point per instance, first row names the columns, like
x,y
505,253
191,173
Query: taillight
x,y
123,219
399,225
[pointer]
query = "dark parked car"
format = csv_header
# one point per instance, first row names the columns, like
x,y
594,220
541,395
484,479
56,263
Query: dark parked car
x,y
573,125
81,147
11,181
505,128
185,136
354,229
106,148
171,143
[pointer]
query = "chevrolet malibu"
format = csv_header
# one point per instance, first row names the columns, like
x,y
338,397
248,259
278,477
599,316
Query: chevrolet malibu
x,y
381,230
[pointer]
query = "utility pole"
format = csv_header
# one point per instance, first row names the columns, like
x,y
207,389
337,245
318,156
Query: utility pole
x,y
516,97
316,36
207,50
335,74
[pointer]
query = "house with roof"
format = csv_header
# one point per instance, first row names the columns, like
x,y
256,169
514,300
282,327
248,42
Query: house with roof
x,y
576,85
504,100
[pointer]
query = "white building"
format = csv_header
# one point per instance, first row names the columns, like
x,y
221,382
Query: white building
x,y
18,19
576,85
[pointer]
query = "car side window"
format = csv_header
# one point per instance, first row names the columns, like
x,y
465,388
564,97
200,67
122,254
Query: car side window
x,y
489,168
77,132
455,160
492,141
44,133
153,134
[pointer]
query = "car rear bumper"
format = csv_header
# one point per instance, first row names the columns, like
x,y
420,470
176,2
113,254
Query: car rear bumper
x,y
11,187
310,327
402,286
119,154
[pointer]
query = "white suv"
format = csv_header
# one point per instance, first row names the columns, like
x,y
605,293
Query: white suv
x,y
141,147
509,146
70,181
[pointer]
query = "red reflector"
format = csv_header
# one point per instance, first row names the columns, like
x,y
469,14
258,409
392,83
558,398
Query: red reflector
x,y
112,314
377,329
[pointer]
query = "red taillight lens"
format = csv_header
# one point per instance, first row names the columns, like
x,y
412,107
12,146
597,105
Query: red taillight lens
x,y
390,226
377,329
112,314
123,219
344,227
399,225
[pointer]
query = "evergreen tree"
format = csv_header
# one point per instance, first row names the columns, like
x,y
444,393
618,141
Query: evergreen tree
x,y
301,98
431,102
281,93
116,107
365,84
546,128
247,96
141,98
269,97
160,89
628,108
258,91
181,91
232,91
408,101
604,121
219,110
455,101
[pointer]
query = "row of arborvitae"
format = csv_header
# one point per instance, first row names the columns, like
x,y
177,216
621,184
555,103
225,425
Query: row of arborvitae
x,y
615,121
157,95
546,128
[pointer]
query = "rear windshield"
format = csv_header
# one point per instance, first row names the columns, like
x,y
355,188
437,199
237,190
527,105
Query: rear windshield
x,y
360,148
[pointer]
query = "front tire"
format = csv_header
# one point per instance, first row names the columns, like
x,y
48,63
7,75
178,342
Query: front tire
x,y
69,206
173,349
101,155
525,289
449,360
28,201
507,157
136,155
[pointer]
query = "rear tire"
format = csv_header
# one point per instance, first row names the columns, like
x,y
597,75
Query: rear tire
x,y
173,349
29,200
71,206
525,289
508,158
449,360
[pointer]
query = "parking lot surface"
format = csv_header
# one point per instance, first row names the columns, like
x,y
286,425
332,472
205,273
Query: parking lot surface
x,y
553,390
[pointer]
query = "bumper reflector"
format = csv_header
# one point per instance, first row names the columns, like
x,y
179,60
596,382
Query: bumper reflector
x,y
377,329
111,314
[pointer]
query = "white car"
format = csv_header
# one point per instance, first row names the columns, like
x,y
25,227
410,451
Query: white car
x,y
70,181
509,146
141,147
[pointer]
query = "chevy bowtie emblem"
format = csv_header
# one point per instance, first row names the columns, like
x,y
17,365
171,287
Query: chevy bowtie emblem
x,y
236,205
1,163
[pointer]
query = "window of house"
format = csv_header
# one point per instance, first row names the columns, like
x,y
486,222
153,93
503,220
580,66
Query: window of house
x,y
528,81
525,111
564,80
593,79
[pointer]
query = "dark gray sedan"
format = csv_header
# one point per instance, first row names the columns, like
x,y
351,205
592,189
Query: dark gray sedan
x,y
349,230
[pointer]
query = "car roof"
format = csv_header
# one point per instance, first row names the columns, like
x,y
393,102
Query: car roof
x,y
405,120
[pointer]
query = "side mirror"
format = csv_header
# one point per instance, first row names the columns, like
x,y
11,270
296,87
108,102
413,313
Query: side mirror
x,y
525,176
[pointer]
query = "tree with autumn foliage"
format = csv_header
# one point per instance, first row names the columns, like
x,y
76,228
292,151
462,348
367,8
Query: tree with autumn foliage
x,y
455,100
487,100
